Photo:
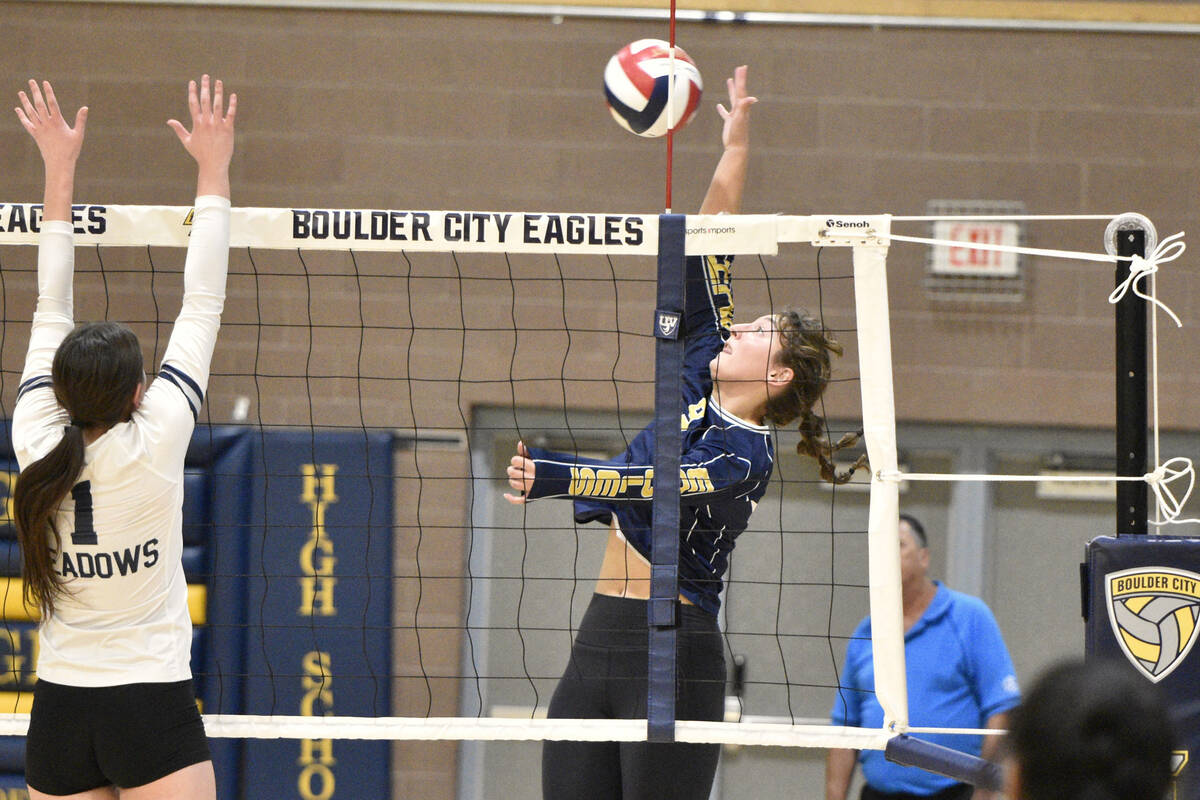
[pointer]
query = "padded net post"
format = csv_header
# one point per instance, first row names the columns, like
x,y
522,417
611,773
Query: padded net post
x,y
1132,507
879,430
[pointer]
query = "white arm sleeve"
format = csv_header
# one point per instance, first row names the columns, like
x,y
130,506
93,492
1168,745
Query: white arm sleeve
x,y
189,352
171,406
37,413
53,319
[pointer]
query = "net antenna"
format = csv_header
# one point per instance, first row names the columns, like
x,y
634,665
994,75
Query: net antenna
x,y
670,104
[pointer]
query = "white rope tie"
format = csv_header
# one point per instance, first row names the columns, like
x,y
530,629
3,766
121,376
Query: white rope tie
x,y
1000,248
1140,268
1169,506
1163,482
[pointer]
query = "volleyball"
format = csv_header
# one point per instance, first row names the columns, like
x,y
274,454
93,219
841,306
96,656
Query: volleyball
x,y
636,83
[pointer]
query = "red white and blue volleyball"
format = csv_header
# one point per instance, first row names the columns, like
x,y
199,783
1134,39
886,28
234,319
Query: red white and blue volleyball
x,y
636,83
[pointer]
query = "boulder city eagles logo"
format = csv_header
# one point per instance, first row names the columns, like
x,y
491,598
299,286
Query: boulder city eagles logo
x,y
1154,611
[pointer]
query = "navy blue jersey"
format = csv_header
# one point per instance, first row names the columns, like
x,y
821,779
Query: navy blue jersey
x,y
725,463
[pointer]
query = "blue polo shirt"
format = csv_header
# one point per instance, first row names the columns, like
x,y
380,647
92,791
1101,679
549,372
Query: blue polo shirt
x,y
959,675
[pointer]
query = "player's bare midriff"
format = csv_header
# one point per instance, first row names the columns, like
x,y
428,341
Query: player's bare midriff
x,y
625,572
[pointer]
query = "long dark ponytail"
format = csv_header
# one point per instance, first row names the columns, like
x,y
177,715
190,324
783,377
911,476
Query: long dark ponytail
x,y
96,372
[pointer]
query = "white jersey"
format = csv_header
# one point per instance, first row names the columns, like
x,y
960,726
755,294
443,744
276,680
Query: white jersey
x,y
124,616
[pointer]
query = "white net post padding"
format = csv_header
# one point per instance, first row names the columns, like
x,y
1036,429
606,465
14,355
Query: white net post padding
x,y
879,431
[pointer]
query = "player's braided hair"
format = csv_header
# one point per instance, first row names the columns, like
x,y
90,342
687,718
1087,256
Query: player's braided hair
x,y
96,371
807,349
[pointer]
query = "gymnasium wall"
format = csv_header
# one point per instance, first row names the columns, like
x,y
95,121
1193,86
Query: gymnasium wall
x,y
358,109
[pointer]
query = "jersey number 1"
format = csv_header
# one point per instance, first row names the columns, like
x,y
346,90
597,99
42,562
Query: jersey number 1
x,y
85,532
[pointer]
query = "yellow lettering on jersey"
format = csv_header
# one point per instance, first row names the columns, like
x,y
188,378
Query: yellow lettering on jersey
x,y
591,482
602,482
583,481
645,480
318,491
695,480
316,779
648,483
720,270
608,483
694,412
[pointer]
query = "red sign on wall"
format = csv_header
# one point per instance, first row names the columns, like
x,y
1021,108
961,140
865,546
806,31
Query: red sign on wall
x,y
973,261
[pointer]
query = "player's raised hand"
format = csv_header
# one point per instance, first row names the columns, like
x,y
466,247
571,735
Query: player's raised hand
x,y
210,141
521,470
736,132
58,142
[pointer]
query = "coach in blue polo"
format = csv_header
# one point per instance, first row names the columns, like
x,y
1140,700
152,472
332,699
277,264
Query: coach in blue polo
x,y
960,675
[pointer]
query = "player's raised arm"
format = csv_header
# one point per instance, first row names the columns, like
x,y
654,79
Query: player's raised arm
x,y
729,179
187,359
210,141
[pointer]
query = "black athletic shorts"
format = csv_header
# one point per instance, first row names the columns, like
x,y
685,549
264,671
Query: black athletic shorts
x,y
82,738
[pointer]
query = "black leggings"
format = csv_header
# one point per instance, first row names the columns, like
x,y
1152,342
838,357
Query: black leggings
x,y
606,678
956,791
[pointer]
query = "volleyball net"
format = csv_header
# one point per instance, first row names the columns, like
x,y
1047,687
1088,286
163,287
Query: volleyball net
x,y
356,574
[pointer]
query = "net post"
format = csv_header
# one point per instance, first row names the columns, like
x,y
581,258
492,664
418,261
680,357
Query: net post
x,y
879,427
1132,508
664,551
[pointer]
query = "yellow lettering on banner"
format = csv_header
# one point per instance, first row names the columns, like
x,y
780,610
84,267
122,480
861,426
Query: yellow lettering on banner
x,y
309,752
34,644
317,560
8,483
316,779
316,681
316,556
18,654
316,596
316,782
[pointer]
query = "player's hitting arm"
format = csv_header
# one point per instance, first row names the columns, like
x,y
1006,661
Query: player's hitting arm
x,y
704,474
724,194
